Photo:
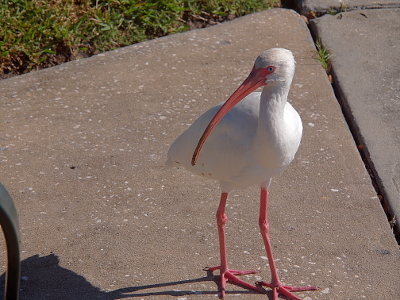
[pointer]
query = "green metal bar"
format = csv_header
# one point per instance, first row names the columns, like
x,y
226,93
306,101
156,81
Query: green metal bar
x,y
10,225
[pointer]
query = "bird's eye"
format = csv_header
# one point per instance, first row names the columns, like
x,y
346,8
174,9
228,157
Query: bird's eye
x,y
270,69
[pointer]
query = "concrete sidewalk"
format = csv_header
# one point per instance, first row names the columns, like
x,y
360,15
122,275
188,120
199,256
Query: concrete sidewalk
x,y
365,68
82,153
320,7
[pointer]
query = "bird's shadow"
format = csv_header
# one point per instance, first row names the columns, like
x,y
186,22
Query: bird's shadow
x,y
43,278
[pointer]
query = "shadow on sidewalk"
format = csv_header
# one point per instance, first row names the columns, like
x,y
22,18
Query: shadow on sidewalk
x,y
43,278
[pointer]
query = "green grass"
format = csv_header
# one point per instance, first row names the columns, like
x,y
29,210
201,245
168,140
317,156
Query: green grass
x,y
323,55
341,9
39,33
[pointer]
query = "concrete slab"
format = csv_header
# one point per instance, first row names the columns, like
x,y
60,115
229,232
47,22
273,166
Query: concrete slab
x,y
366,71
82,151
325,6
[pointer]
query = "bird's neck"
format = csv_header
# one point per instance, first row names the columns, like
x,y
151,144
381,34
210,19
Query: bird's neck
x,y
272,106
271,131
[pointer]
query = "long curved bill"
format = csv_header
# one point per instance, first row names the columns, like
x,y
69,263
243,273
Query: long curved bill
x,y
256,79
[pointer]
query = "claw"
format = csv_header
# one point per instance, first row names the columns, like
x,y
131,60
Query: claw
x,y
211,269
231,277
285,290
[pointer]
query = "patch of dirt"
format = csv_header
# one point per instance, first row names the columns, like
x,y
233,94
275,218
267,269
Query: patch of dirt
x,y
21,64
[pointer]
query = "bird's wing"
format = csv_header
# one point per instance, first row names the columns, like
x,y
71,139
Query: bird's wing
x,y
224,152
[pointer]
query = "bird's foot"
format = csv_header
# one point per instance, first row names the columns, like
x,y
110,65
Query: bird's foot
x,y
231,277
285,290
234,272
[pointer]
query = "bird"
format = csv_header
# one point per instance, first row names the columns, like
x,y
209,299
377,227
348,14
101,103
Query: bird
x,y
243,142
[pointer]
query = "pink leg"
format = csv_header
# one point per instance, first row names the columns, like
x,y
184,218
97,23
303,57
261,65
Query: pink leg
x,y
277,287
228,274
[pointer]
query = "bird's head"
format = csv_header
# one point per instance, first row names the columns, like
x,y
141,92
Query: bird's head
x,y
275,66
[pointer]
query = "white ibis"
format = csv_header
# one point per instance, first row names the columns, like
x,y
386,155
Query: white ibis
x,y
243,142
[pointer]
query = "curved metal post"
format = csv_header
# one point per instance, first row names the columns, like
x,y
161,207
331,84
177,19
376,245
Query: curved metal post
x,y
10,225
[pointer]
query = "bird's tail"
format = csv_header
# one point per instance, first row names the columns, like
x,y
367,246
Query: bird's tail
x,y
171,164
